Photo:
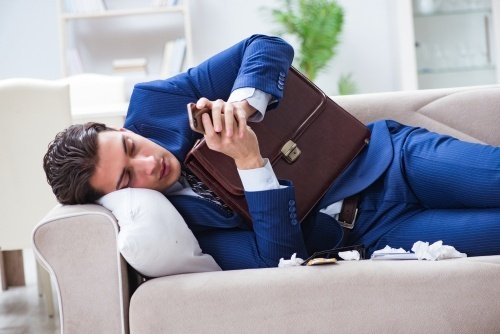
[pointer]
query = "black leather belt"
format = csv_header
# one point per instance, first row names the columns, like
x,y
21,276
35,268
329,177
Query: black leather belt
x,y
347,215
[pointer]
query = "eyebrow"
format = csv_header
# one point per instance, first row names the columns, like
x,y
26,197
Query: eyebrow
x,y
124,142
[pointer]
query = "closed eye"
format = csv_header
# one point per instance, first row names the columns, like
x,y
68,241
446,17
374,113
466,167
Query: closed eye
x,y
132,148
128,150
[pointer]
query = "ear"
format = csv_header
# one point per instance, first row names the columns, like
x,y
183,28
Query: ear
x,y
124,130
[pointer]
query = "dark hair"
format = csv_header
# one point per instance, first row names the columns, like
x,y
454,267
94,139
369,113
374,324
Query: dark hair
x,y
70,163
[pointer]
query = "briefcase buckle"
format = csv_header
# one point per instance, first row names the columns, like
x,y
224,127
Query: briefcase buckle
x,y
290,151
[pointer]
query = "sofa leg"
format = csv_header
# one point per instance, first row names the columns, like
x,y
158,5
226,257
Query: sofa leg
x,y
39,284
45,289
3,276
12,267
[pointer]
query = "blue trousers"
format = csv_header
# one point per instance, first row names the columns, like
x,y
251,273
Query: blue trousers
x,y
436,188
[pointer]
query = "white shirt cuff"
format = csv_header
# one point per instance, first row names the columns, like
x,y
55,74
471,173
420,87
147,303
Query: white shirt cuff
x,y
259,179
255,97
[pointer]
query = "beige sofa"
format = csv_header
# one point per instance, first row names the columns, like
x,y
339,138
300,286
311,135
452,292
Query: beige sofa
x,y
77,244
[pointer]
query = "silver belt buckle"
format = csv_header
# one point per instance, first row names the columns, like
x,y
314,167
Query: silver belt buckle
x,y
350,225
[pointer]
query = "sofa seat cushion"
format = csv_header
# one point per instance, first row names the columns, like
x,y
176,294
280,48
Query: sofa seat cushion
x,y
450,296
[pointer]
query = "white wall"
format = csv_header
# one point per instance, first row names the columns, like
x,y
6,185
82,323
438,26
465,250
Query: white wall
x,y
29,38
368,49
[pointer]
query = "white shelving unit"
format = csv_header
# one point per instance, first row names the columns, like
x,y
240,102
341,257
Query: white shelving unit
x,y
124,12
449,44
144,12
92,39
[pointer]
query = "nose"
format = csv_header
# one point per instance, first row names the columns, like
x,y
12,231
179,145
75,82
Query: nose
x,y
145,165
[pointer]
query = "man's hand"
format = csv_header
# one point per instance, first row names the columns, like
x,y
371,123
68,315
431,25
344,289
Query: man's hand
x,y
244,149
226,113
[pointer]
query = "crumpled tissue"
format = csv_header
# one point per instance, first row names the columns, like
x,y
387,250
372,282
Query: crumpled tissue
x,y
389,250
294,261
388,253
352,255
436,251
421,251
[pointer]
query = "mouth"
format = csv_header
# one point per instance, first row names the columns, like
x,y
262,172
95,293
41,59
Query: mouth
x,y
164,168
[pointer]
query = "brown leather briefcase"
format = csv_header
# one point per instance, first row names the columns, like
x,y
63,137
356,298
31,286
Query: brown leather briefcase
x,y
308,138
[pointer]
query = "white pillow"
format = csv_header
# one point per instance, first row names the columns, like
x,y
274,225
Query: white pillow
x,y
154,238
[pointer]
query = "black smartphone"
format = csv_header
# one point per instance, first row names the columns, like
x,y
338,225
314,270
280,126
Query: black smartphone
x,y
195,117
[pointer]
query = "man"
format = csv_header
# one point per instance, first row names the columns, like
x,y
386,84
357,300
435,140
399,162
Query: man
x,y
413,185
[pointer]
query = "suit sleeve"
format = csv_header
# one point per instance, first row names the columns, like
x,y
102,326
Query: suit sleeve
x,y
260,62
276,233
277,230
157,109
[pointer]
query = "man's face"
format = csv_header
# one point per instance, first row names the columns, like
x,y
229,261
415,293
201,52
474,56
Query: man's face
x,y
126,159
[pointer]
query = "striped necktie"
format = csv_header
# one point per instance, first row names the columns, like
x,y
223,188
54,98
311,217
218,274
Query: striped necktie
x,y
202,190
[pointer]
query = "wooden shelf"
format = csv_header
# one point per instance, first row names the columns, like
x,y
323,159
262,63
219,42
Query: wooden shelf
x,y
456,69
482,11
122,12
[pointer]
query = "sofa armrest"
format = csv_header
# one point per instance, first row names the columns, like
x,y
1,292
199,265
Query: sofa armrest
x,y
77,244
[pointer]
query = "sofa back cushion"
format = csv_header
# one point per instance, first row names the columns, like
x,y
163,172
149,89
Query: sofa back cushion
x,y
467,113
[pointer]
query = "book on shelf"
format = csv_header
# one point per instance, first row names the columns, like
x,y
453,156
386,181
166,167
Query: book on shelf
x,y
132,70
130,65
174,55
125,64
84,6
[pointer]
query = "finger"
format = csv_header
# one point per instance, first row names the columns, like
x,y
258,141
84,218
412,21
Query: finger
x,y
210,133
217,115
204,103
229,118
211,137
241,117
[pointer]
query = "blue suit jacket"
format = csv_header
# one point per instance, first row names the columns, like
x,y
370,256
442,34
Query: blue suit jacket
x,y
158,112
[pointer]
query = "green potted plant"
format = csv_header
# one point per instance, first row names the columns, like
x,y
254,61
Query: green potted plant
x,y
317,25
